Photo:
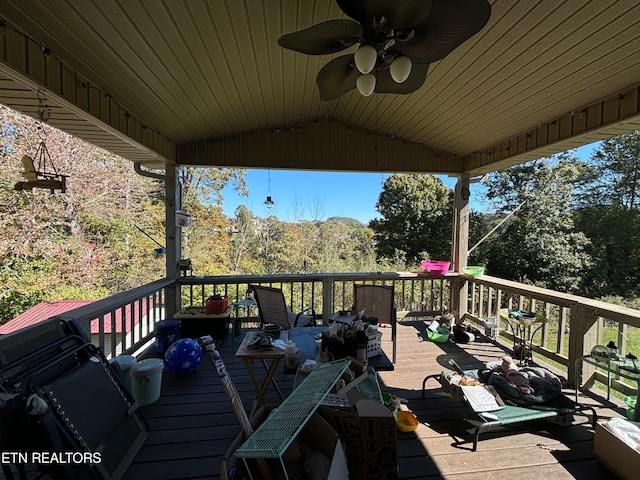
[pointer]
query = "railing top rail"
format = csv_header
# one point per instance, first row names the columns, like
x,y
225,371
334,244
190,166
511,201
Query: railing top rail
x,y
301,277
559,298
608,310
106,305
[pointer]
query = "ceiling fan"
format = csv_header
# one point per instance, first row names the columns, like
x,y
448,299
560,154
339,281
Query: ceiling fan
x,y
398,40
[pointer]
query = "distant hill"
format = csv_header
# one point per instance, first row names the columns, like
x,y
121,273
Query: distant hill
x,y
350,222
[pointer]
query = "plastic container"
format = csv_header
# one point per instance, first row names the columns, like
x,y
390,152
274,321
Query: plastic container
x,y
437,267
146,380
631,402
216,305
291,355
167,331
474,271
441,335
124,364
406,421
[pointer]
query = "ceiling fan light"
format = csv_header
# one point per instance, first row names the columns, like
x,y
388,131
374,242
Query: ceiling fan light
x,y
365,58
400,69
366,84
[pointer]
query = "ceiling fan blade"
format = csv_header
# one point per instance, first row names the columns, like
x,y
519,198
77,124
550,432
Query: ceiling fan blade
x,y
450,23
417,77
337,77
323,38
400,14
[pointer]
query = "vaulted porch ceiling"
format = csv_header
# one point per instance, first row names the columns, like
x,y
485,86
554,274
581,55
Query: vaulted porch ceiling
x,y
204,82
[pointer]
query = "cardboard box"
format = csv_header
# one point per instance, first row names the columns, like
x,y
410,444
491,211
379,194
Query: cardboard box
x,y
368,432
317,434
614,454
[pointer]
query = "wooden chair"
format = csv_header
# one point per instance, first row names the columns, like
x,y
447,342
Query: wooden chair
x,y
35,179
29,170
377,301
272,308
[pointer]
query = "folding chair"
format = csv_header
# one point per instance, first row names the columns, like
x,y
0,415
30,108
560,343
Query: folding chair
x,y
558,407
66,397
272,308
377,301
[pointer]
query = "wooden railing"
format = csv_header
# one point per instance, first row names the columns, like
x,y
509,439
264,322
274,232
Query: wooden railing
x,y
575,324
326,293
125,322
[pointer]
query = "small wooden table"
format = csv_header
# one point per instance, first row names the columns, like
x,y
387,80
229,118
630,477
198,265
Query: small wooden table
x,y
305,339
269,358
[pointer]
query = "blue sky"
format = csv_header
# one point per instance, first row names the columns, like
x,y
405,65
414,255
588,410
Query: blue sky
x,y
298,194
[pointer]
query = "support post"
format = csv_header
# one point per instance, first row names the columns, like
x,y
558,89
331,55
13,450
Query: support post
x,y
583,336
327,299
460,241
173,239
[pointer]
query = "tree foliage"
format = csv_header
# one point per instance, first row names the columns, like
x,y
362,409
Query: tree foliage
x,y
617,172
539,244
609,215
83,243
572,226
416,218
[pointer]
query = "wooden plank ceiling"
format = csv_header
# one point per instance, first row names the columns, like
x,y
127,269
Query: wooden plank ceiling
x,y
204,82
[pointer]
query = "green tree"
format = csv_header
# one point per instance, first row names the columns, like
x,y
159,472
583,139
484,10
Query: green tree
x,y
617,171
416,218
614,235
77,244
242,233
609,215
206,243
539,244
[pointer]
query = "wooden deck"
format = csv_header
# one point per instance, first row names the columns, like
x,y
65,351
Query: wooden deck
x,y
193,422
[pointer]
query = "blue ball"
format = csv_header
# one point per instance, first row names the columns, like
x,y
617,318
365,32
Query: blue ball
x,y
183,356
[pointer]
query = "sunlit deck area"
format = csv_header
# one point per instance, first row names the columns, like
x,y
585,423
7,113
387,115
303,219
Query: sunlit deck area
x,y
193,422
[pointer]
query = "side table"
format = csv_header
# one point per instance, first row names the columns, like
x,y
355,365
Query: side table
x,y
269,358
523,332
612,367
247,304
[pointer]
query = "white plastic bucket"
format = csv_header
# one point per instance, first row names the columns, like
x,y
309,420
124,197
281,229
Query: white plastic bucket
x,y
125,362
146,380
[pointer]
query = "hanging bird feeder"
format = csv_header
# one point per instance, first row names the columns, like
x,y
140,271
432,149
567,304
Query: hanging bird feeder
x,y
39,170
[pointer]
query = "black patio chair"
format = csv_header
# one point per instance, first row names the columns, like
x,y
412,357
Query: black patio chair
x,y
272,308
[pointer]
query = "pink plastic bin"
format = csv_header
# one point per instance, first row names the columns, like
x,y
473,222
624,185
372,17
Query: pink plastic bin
x,y
437,267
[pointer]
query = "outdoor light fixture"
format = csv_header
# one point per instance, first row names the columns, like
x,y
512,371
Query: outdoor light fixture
x,y
400,69
366,84
269,202
365,58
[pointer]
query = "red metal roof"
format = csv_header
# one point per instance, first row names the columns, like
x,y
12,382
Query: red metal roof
x,y
45,310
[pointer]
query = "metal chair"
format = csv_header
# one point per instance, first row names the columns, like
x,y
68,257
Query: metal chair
x,y
377,301
272,308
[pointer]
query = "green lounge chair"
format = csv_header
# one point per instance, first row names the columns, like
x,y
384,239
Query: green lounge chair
x,y
560,407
